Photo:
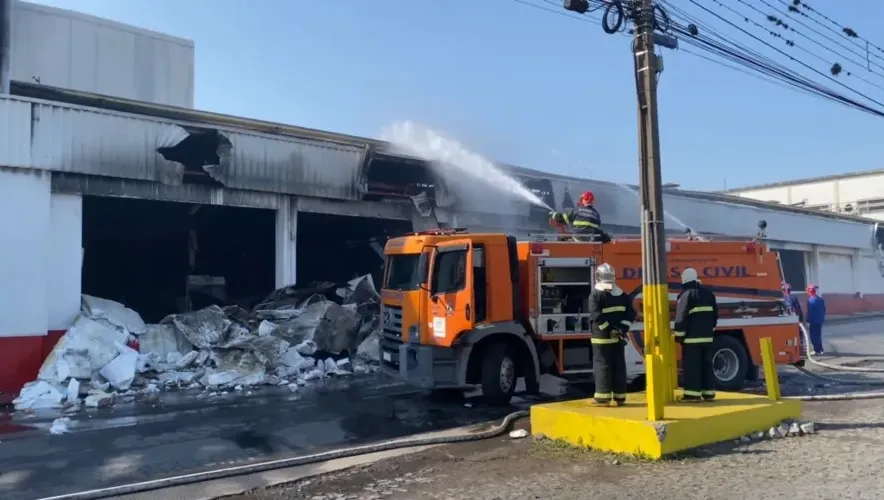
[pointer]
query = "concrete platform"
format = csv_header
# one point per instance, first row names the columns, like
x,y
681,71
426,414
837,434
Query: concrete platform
x,y
687,424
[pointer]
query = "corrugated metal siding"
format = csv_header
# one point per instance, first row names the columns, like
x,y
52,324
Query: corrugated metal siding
x,y
86,141
75,51
95,142
190,193
291,166
15,133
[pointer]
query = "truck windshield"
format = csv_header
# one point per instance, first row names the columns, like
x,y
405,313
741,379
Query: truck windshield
x,y
406,271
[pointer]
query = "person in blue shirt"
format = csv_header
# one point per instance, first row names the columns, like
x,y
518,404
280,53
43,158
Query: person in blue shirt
x,y
795,308
816,316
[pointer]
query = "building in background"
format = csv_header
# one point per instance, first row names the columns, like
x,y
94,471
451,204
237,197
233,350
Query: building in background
x,y
112,185
856,193
71,50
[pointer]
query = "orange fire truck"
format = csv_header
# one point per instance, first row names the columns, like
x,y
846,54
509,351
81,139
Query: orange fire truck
x,y
461,310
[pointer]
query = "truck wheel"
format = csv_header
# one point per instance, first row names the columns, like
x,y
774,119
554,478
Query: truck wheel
x,y
730,363
498,374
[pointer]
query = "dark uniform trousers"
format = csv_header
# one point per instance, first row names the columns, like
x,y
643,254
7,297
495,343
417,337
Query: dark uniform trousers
x,y
699,378
609,370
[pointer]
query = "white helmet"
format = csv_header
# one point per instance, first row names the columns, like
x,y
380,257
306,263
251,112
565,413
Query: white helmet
x,y
605,273
688,275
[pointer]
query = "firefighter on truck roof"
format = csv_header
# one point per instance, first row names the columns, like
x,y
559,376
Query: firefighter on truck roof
x,y
611,314
583,220
696,317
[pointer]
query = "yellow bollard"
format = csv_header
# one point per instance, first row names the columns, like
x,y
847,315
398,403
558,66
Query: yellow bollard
x,y
771,378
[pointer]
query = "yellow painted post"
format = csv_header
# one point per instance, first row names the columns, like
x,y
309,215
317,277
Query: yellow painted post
x,y
771,378
655,375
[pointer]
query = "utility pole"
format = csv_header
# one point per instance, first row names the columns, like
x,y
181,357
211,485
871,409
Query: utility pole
x,y
660,351
659,346
6,8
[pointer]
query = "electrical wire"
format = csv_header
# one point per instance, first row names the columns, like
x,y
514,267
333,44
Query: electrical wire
x,y
730,49
791,43
774,71
747,72
558,12
794,6
852,48
802,63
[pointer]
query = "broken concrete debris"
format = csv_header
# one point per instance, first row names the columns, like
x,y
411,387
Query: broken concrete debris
x,y
295,335
786,428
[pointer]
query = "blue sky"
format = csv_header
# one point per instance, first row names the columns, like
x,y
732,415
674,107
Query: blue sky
x,y
514,83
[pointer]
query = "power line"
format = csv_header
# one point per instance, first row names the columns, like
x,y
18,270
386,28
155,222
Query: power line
x,y
846,32
780,22
836,68
747,72
802,63
747,58
559,12
850,47
730,49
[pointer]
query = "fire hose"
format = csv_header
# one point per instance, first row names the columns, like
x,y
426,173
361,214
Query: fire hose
x,y
837,397
211,475
497,430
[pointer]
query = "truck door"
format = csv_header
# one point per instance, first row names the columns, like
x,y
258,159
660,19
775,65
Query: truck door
x,y
451,290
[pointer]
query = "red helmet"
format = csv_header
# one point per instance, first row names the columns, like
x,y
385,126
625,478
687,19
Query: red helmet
x,y
587,198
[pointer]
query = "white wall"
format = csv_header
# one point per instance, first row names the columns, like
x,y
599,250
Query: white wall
x,y
870,279
71,50
835,273
65,259
24,224
836,193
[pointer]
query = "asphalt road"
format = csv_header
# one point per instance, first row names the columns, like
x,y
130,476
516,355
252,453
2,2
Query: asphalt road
x,y
183,433
839,462
139,441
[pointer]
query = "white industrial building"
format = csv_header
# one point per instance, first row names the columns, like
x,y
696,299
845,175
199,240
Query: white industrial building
x,y
111,185
855,193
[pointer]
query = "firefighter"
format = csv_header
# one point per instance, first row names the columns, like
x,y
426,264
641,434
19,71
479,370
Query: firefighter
x,y
696,317
611,315
583,220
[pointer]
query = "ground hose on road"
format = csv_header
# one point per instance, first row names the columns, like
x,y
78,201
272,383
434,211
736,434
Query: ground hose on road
x,y
841,368
836,397
198,477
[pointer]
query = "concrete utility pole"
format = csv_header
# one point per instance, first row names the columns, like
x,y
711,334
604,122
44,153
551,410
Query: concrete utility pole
x,y
5,44
659,346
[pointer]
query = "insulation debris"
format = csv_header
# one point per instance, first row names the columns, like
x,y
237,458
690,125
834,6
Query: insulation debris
x,y
293,336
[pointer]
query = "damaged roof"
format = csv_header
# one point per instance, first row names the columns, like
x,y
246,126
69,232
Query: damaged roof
x,y
256,155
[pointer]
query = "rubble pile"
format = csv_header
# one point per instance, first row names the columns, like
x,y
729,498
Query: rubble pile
x,y
293,336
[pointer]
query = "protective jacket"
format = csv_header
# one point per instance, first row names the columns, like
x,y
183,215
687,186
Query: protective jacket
x,y
611,314
581,220
696,314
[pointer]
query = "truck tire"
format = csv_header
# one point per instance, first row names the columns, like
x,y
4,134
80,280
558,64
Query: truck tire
x,y
498,374
730,363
